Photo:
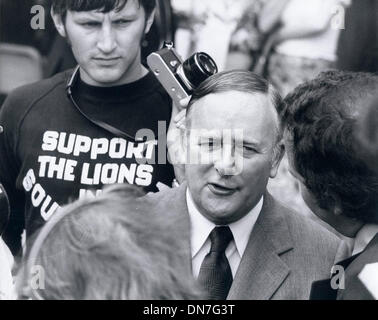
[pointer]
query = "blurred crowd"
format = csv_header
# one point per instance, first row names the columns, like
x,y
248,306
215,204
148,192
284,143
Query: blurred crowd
x,y
241,34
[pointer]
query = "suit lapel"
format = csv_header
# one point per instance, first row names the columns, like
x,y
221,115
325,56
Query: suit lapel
x,y
261,271
176,203
173,203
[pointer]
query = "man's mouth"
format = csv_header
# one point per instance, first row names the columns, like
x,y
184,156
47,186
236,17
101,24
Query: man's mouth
x,y
221,190
107,61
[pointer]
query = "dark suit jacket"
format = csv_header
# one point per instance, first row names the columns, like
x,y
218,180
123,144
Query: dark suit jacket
x,y
358,43
286,252
354,288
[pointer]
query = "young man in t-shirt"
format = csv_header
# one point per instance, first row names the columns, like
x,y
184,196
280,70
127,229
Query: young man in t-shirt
x,y
102,123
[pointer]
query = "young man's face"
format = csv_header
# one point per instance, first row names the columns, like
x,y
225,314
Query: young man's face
x,y
107,45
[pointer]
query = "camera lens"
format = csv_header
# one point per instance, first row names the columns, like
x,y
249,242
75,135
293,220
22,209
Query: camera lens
x,y
198,68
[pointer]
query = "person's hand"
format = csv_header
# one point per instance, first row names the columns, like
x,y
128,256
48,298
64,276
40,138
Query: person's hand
x,y
180,114
183,104
179,120
175,139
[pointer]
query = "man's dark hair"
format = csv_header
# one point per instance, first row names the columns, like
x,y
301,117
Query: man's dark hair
x,y
237,80
321,117
61,6
367,135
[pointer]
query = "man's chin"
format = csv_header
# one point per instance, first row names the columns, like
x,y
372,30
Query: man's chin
x,y
104,79
220,212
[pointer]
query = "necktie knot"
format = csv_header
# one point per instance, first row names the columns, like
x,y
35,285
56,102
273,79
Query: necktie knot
x,y
220,238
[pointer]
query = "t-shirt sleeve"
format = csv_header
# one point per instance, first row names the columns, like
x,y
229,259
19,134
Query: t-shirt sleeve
x,y
9,169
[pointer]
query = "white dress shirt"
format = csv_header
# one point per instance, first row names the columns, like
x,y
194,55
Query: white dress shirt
x,y
201,228
363,237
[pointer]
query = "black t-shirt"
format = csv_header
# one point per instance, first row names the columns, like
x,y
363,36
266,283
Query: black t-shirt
x,y
141,105
50,154
131,102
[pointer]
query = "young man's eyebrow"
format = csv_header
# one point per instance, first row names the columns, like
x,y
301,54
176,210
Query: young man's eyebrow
x,y
86,15
126,16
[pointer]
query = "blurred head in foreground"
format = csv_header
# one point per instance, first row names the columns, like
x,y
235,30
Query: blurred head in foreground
x,y
320,118
111,247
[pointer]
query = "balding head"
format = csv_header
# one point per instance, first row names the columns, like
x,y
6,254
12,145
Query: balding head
x,y
241,81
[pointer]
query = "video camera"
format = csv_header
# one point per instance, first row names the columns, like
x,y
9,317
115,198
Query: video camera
x,y
179,78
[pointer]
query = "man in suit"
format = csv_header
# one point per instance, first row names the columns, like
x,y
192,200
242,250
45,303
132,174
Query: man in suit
x,y
361,276
243,243
320,119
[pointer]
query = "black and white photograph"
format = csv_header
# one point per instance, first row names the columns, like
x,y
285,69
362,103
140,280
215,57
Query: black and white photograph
x,y
204,151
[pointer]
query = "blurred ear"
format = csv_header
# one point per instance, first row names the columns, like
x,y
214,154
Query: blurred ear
x,y
278,153
337,207
59,23
150,21
337,210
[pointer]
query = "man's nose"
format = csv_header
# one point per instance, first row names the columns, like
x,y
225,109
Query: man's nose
x,y
225,161
107,39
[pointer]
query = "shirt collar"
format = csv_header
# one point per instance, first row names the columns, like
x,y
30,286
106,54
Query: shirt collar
x,y
364,236
201,227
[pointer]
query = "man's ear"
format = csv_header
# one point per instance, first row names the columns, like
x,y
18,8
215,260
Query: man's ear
x,y
337,210
337,207
59,23
176,143
176,140
278,153
150,21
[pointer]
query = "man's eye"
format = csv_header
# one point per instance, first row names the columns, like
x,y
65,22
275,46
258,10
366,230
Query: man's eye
x,y
208,145
91,24
248,150
121,22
